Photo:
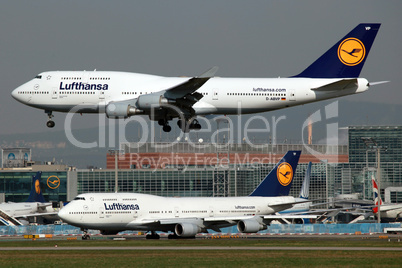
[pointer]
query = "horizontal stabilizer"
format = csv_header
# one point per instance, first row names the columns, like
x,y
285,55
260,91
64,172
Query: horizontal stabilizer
x,y
339,85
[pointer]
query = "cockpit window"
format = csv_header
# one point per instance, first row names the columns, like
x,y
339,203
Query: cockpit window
x,y
38,77
79,198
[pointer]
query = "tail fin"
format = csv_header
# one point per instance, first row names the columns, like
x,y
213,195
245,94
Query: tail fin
x,y
346,58
304,192
36,192
377,198
279,180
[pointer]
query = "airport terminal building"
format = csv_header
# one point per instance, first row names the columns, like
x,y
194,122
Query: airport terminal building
x,y
183,169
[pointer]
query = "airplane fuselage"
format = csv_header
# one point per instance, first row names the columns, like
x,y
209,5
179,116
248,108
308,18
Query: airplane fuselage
x,y
391,213
18,209
133,211
90,92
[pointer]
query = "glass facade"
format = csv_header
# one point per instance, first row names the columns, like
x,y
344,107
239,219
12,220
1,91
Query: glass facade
x,y
16,185
388,137
363,159
194,182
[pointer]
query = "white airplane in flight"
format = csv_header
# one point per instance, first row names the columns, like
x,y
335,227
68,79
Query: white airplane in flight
x,y
123,94
185,216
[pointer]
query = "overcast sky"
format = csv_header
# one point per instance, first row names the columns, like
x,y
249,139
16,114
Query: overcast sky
x,y
175,38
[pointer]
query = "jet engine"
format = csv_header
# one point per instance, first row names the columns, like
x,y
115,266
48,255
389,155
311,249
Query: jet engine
x,y
250,226
150,101
186,229
119,110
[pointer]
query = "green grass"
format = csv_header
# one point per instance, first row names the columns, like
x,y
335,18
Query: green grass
x,y
203,258
193,258
302,241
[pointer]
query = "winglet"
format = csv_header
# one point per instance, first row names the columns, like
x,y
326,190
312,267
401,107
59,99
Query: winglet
x,y
210,73
279,180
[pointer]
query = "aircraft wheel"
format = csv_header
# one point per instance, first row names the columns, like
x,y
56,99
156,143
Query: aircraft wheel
x,y
152,236
167,128
173,236
50,123
161,122
86,237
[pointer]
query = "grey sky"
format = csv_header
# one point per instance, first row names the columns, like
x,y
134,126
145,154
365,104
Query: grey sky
x,y
174,38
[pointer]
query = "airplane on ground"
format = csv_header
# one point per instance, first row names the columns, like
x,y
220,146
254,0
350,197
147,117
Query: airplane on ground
x,y
185,216
298,212
388,212
122,94
36,206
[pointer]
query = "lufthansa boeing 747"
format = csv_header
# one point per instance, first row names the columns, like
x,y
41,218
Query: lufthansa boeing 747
x,y
185,216
122,94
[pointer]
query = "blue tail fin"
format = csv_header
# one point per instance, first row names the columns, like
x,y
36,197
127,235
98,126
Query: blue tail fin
x,y
304,192
346,58
279,180
36,192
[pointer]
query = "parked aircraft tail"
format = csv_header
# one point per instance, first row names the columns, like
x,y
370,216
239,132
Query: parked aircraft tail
x,y
377,198
346,58
279,180
36,192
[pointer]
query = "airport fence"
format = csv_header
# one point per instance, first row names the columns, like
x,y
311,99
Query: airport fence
x,y
357,228
361,228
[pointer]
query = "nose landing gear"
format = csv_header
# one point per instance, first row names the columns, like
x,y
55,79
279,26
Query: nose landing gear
x,y
50,123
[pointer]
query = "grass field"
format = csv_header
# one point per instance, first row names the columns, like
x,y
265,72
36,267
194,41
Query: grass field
x,y
202,258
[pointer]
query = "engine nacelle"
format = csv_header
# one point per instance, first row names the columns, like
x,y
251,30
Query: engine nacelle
x,y
148,102
250,226
186,229
119,110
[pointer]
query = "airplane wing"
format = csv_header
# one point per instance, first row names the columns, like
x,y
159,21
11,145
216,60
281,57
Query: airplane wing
x,y
190,85
38,215
213,223
389,207
183,96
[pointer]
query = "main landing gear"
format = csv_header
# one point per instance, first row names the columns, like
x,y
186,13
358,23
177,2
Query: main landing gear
x,y
188,125
165,124
86,236
152,235
50,123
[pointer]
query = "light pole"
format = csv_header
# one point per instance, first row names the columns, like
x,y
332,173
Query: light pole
x,y
371,143
116,153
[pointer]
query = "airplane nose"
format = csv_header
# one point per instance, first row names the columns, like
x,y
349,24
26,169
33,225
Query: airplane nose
x,y
14,94
63,214
18,95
